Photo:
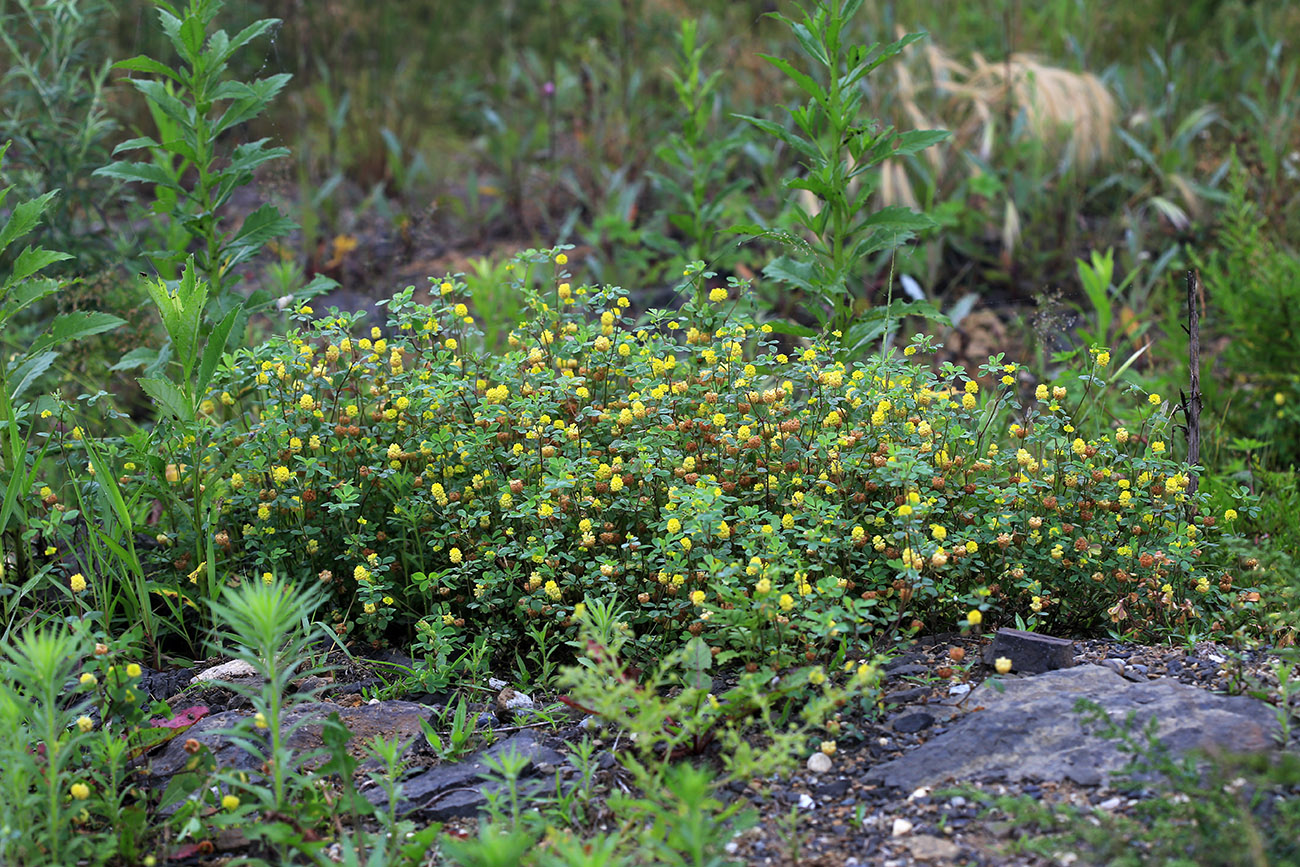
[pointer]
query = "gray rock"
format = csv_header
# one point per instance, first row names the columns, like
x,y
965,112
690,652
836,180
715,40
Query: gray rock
x,y
459,789
302,725
1030,652
1031,730
903,696
925,847
913,722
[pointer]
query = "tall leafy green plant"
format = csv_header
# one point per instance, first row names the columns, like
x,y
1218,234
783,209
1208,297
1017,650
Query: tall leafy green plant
x,y
22,287
193,104
698,158
182,387
40,742
56,113
1251,285
841,154
267,625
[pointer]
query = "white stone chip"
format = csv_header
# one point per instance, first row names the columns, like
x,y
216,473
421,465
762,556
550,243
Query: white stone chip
x,y
236,669
819,763
902,827
519,701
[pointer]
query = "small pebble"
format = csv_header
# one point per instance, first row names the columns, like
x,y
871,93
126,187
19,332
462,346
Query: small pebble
x,y
902,827
819,763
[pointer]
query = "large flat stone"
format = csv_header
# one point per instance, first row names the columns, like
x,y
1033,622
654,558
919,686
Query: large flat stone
x,y
303,725
1032,731
459,788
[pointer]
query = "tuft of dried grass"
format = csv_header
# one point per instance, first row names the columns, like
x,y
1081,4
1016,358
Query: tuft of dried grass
x,y
1070,114
1063,108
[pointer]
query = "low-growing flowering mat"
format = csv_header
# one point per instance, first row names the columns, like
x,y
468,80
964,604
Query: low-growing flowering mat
x,y
697,471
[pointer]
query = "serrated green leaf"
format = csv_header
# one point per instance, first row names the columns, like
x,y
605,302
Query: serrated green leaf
x,y
245,36
192,38
135,144
23,375
168,397
808,42
181,311
261,92
213,350
264,224
161,99
918,140
793,271
805,82
141,356
28,292
31,260
770,127
893,49
141,173
248,157
812,184
924,308
76,325
142,63
25,217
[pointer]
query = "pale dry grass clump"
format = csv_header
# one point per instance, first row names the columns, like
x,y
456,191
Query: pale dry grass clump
x,y
1071,115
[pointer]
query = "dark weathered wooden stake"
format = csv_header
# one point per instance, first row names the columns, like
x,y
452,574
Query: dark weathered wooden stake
x,y
1192,402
